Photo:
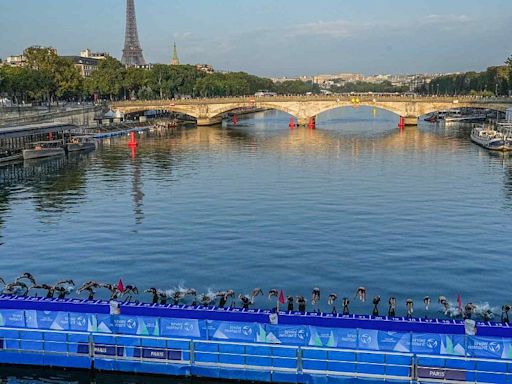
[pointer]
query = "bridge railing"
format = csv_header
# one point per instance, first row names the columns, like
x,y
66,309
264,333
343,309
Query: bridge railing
x,y
345,97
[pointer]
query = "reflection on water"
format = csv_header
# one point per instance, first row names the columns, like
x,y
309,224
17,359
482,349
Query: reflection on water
x,y
14,375
353,202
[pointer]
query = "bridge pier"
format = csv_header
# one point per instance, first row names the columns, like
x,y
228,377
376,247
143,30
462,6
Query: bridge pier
x,y
410,120
209,121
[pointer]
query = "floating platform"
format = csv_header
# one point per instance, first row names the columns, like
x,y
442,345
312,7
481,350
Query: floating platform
x,y
121,132
252,345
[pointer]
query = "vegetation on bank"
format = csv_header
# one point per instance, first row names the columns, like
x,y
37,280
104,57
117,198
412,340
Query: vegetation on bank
x,y
494,81
48,77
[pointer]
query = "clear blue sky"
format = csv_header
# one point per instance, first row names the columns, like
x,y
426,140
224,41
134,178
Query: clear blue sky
x,y
276,37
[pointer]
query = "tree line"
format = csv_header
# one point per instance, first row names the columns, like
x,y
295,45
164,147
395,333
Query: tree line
x,y
47,77
495,81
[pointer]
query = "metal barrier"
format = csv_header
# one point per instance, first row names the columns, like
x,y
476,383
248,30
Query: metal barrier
x,y
238,360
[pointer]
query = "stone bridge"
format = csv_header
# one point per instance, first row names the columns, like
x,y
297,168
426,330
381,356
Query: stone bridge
x,y
210,111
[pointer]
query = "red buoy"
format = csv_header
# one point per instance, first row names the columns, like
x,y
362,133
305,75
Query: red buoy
x,y
132,142
234,119
401,124
292,123
312,123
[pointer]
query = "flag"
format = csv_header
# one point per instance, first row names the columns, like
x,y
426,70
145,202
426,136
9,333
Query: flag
x,y
281,297
459,302
120,286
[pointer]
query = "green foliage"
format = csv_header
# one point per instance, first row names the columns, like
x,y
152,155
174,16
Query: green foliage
x,y
23,84
362,86
58,76
495,80
107,79
296,87
231,84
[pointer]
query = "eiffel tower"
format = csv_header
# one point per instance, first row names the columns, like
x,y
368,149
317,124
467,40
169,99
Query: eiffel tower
x,y
132,52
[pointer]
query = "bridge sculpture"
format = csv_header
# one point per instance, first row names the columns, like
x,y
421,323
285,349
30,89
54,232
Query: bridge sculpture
x,y
209,111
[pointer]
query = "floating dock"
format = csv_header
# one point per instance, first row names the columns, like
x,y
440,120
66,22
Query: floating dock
x,y
251,345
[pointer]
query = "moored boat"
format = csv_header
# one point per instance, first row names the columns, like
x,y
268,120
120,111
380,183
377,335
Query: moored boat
x,y
8,155
489,139
81,143
42,149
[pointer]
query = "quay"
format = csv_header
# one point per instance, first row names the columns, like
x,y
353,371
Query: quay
x,y
250,345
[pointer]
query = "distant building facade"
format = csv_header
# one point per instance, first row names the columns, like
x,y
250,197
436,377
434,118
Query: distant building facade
x,y
16,61
206,68
87,53
21,60
85,65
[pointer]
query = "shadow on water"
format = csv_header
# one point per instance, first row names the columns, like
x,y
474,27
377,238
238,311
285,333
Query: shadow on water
x,y
36,375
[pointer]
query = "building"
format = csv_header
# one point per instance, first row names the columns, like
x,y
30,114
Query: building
x,y
175,60
85,65
16,61
206,68
87,53
21,60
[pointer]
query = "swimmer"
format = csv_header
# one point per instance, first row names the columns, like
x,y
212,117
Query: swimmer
x,y
205,299
315,296
155,292
129,291
426,301
224,295
444,302
26,276
289,299
504,313
469,310
246,301
16,288
301,301
256,292
409,304
273,293
331,298
90,286
346,302
376,301
392,307
50,289
361,294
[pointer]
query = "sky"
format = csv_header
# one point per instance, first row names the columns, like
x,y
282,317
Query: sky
x,y
276,37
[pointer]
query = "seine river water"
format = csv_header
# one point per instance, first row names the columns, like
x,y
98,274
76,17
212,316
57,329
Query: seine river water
x,y
353,203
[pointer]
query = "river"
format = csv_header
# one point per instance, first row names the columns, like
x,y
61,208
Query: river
x,y
355,202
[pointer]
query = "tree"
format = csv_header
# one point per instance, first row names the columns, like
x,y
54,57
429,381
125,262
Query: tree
x,y
58,76
134,80
107,79
159,78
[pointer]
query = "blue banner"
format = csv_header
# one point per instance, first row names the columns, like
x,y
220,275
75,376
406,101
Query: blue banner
x,y
12,318
426,343
187,328
236,331
128,325
333,337
83,322
487,347
394,341
287,334
384,341
58,321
